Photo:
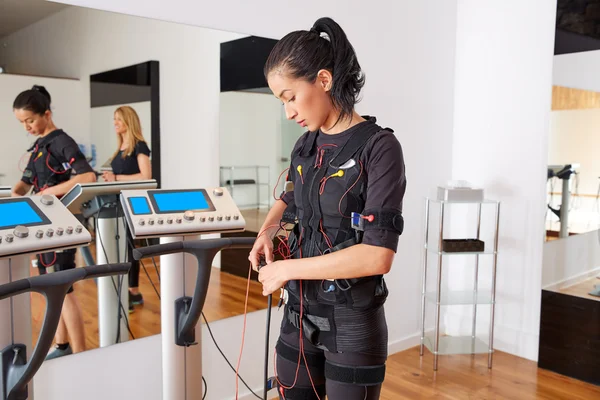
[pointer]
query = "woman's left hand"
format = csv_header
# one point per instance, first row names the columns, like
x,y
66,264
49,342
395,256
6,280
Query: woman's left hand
x,y
273,276
108,176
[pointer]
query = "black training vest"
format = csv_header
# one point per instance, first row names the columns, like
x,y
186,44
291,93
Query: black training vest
x,y
49,166
324,199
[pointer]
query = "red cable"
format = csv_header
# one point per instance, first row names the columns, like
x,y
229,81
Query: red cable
x,y
245,315
349,189
50,168
277,184
237,375
49,265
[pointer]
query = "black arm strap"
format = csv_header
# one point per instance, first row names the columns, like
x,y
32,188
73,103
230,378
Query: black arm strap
x,y
389,220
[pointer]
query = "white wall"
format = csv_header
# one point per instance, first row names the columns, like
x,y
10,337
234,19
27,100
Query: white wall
x,y
80,42
577,70
68,105
409,57
568,260
501,112
409,87
575,138
249,136
103,134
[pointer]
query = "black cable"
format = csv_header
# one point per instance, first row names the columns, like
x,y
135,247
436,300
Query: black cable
x,y
266,366
113,282
154,262
220,351
205,387
120,278
146,271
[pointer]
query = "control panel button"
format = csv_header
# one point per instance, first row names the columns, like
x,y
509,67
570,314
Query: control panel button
x,y
50,232
0,239
218,192
228,217
211,219
150,221
178,220
60,231
202,219
79,229
9,238
47,200
21,232
236,217
39,234
69,230
141,222
189,215
220,218
160,221
169,220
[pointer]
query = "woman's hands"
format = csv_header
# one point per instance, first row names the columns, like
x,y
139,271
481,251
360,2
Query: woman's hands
x,y
263,246
108,176
273,276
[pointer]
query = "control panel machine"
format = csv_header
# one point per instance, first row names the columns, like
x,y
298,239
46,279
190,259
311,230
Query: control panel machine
x,y
29,225
178,217
156,213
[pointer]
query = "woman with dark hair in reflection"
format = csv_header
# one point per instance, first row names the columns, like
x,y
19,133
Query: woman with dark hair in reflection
x,y
54,158
130,162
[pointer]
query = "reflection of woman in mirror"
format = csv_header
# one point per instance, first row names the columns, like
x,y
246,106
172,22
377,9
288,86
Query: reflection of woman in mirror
x,y
54,158
130,162
332,273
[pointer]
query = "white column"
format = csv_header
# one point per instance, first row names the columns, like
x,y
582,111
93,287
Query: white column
x,y
502,100
181,366
108,304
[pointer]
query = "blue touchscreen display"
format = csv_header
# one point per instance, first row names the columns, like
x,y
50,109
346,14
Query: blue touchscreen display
x,y
180,201
139,205
15,213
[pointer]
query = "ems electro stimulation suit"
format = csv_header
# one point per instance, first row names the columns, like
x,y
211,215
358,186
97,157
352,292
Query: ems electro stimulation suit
x,y
53,159
360,171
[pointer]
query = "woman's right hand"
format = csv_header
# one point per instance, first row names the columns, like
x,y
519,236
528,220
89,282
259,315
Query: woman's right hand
x,y
263,246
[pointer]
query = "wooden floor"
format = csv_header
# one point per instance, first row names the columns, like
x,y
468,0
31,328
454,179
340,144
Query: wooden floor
x,y
582,289
225,298
467,377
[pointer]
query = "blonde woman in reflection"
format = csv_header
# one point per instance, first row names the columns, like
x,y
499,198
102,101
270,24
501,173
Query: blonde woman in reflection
x,y
130,162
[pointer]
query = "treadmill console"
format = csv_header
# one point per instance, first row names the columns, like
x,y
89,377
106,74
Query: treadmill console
x,y
37,223
156,213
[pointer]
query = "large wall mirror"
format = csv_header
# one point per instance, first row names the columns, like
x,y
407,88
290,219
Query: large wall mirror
x,y
136,86
570,296
114,60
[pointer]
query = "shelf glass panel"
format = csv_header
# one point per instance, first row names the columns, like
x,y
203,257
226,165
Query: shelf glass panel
x,y
457,345
461,297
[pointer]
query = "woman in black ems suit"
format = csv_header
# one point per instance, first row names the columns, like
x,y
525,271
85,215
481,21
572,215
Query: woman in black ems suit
x,y
349,184
131,162
54,158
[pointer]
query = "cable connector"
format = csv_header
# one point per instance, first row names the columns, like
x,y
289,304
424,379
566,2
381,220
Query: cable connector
x,y
271,383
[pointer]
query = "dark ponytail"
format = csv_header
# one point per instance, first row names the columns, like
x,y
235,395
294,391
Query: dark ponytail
x,y
37,100
302,54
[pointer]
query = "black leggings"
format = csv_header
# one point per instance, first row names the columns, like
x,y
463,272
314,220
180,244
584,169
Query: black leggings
x,y
315,358
61,260
134,272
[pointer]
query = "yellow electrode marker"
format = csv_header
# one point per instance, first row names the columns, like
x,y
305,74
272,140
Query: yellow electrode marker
x,y
340,173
